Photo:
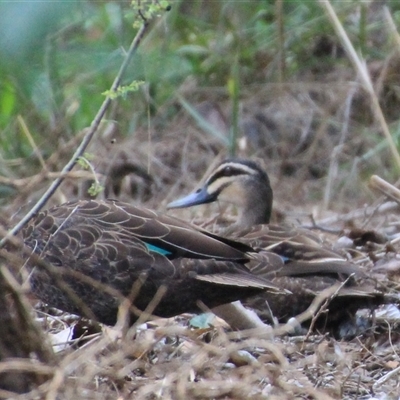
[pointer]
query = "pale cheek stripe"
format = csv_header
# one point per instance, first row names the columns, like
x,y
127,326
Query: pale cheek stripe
x,y
219,183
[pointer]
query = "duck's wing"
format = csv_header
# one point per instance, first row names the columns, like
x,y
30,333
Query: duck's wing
x,y
115,244
263,235
113,230
292,252
126,222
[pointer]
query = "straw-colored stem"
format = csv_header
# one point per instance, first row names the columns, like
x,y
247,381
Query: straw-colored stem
x,y
361,69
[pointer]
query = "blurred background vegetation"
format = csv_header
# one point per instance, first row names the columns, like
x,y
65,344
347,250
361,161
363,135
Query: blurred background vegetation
x,y
274,72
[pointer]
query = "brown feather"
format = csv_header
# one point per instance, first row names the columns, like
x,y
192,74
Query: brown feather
x,y
117,244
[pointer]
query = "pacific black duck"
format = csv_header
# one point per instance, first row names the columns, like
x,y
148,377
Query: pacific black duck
x,y
298,260
94,245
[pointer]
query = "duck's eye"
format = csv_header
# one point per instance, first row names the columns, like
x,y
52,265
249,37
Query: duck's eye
x,y
228,171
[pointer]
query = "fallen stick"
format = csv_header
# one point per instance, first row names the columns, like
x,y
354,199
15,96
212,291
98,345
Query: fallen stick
x,y
385,187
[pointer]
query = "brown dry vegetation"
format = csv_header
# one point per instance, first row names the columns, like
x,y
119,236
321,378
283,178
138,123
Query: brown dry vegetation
x,y
318,136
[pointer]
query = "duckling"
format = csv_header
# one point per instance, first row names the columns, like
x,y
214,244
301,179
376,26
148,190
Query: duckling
x,y
298,261
96,253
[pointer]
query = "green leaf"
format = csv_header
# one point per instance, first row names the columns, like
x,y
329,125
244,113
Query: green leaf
x,y
95,189
122,91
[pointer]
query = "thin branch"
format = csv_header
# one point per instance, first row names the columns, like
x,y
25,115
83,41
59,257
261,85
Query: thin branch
x,y
363,212
86,140
385,187
31,181
316,308
27,133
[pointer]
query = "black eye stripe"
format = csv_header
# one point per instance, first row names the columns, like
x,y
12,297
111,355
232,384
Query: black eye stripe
x,y
226,172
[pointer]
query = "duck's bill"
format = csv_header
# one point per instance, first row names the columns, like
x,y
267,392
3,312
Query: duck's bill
x,y
201,196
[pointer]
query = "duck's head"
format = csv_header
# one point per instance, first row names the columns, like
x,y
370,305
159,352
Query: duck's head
x,y
240,182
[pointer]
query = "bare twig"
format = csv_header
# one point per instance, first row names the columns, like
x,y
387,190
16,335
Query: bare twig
x,y
34,180
318,306
240,318
386,377
385,187
358,213
31,141
334,159
18,364
329,296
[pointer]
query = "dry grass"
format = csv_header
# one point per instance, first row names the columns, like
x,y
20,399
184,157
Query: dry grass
x,y
168,360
